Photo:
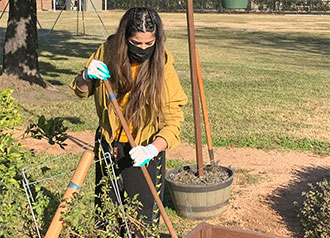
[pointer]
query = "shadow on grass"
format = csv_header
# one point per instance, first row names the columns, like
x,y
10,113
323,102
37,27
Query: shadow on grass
x,y
260,41
64,43
61,44
283,198
73,120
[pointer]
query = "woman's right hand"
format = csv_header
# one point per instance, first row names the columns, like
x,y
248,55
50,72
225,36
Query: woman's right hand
x,y
96,70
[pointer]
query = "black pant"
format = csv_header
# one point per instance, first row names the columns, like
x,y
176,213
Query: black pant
x,y
132,180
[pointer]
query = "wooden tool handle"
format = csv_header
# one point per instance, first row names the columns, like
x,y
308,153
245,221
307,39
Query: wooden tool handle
x,y
144,170
77,180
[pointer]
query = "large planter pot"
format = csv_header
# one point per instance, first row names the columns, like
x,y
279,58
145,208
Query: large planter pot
x,y
235,3
199,201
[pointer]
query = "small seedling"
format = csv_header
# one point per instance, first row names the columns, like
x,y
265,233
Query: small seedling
x,y
53,130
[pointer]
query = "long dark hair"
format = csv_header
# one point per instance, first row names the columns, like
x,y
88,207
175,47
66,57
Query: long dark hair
x,y
147,88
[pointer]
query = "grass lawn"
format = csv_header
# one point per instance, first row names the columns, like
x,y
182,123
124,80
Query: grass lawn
x,y
266,77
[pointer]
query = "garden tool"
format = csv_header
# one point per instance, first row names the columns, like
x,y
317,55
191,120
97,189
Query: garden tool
x,y
143,168
74,186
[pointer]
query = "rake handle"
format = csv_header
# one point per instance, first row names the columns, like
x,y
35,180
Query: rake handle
x,y
77,180
143,168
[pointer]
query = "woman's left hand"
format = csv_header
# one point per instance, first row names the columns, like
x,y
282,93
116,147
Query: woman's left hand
x,y
143,154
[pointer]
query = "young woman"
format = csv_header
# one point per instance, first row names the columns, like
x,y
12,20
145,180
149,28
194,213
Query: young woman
x,y
141,72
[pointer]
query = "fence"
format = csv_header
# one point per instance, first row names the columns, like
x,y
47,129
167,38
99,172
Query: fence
x,y
301,6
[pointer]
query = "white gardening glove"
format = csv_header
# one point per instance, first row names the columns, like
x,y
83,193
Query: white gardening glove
x,y
143,154
96,70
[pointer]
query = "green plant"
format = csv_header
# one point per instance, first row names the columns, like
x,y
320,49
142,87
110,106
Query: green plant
x,y
15,217
53,130
80,219
315,211
9,111
11,162
174,163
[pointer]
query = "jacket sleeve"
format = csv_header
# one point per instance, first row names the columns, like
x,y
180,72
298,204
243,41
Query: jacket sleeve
x,y
98,55
170,127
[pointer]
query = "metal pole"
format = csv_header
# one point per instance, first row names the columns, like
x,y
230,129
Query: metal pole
x,y
58,16
44,34
82,16
194,81
106,31
77,21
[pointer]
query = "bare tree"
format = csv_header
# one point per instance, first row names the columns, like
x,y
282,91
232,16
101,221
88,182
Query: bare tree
x,y
20,54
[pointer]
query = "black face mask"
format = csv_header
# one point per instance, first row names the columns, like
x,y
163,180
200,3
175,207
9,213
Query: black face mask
x,y
138,54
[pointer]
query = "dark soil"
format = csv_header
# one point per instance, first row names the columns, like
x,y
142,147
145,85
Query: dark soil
x,y
188,175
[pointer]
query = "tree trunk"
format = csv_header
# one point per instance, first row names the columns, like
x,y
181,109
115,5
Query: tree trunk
x,y
20,56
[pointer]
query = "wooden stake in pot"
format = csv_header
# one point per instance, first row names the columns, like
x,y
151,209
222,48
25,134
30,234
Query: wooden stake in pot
x,y
204,109
143,168
77,180
193,71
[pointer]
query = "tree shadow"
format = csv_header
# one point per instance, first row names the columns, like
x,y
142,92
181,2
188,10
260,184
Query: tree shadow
x,y
55,82
283,198
82,144
262,42
62,44
59,46
73,120
277,40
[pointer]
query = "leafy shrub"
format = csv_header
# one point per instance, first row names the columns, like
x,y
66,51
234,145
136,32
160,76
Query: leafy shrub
x,y
84,220
12,159
9,111
15,217
315,211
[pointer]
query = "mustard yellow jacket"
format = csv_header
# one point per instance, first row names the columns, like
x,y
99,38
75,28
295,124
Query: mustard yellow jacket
x,y
175,98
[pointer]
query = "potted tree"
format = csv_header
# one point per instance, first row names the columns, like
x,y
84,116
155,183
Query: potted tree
x,y
199,191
